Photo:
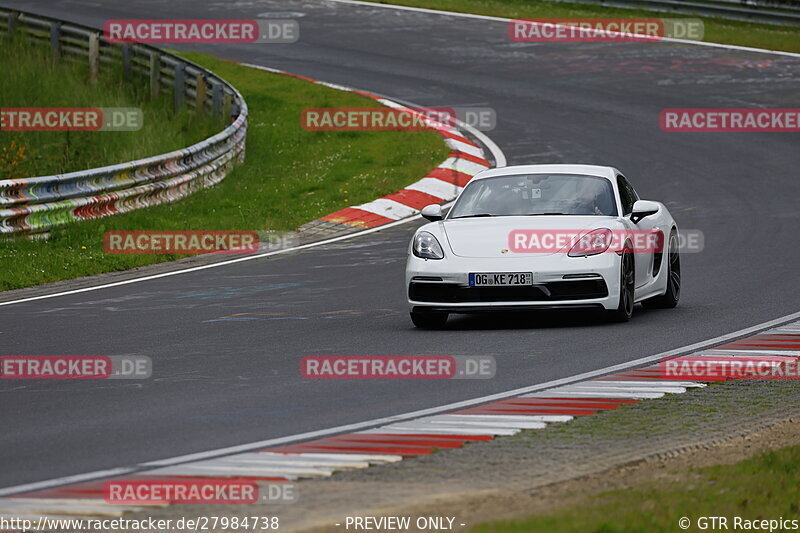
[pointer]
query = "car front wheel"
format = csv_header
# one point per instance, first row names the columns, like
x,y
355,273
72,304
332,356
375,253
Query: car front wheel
x,y
673,293
624,311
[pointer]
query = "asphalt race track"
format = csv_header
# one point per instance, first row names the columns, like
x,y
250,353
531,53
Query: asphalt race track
x,y
226,342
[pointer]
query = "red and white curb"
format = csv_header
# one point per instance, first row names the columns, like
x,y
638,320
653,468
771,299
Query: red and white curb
x,y
396,441
441,185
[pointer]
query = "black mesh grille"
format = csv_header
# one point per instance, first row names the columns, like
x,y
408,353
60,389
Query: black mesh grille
x,y
562,290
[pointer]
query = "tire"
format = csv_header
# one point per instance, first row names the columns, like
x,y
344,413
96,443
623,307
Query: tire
x,y
429,319
670,298
627,276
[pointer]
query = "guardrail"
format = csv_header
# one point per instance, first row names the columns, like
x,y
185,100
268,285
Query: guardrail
x,y
748,13
787,5
35,205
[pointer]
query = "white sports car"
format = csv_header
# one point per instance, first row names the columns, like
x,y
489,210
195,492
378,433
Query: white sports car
x,y
543,236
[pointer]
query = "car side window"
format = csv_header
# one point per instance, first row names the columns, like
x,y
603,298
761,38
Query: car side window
x,y
626,195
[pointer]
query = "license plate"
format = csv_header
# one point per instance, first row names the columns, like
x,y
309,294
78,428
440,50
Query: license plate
x,y
501,279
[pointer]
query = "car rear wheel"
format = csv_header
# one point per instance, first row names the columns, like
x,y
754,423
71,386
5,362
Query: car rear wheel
x,y
670,298
627,273
428,319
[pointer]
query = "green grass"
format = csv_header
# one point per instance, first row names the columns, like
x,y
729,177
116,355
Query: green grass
x,y
716,30
31,79
291,176
762,487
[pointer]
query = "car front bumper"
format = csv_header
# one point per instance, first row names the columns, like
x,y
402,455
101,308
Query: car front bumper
x,y
559,281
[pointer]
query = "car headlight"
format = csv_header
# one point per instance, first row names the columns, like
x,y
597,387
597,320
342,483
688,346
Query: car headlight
x,y
426,246
592,243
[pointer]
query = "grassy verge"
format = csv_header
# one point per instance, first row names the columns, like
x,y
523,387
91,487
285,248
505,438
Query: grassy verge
x,y
762,487
31,79
716,30
291,176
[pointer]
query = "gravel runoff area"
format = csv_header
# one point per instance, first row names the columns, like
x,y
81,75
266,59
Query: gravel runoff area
x,y
535,470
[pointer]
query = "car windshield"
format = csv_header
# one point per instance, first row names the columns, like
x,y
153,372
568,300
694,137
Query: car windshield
x,y
536,194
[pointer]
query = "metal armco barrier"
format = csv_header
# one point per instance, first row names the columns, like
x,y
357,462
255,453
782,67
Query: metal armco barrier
x,y
35,205
763,12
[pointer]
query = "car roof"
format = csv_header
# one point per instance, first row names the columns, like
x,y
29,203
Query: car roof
x,y
589,170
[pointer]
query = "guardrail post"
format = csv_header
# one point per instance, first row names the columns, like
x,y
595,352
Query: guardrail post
x,y
180,85
55,39
216,99
200,94
155,74
226,106
126,61
13,21
94,57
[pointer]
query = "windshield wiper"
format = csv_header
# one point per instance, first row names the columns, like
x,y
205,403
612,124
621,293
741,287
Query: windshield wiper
x,y
543,214
476,215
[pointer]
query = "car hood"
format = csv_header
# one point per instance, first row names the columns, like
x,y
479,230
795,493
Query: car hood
x,y
489,236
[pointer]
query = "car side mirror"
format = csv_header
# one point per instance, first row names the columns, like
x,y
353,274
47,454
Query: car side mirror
x,y
432,212
642,209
